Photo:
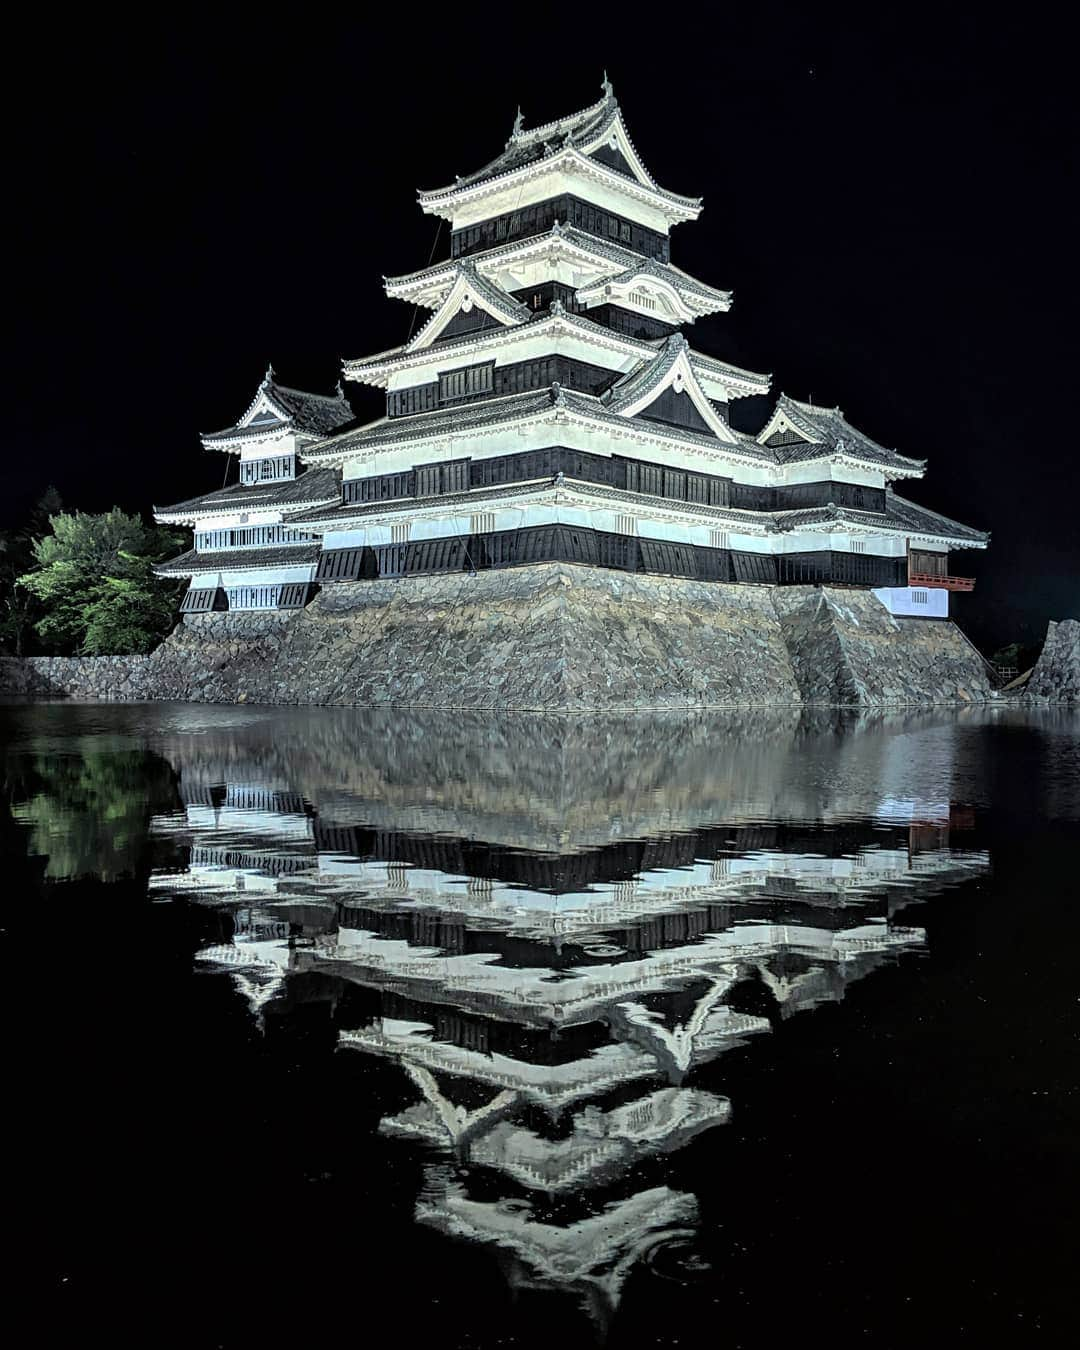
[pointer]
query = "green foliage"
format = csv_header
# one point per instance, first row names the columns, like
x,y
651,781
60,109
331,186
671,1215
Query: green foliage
x,y
94,580
19,607
88,810
1016,655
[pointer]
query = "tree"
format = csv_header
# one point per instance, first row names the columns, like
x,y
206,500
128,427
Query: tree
x,y
95,581
18,606
1016,656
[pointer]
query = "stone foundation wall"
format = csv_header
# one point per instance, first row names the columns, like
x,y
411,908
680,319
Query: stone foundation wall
x,y
1056,676
847,648
554,636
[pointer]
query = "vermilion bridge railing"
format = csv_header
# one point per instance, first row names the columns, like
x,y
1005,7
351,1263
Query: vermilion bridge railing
x,y
944,583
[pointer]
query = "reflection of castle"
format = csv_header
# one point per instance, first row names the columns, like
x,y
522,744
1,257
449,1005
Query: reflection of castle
x,y
549,1000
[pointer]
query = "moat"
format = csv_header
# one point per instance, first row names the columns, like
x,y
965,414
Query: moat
x,y
632,1030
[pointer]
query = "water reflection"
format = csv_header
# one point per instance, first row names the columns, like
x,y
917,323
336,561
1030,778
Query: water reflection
x,y
551,929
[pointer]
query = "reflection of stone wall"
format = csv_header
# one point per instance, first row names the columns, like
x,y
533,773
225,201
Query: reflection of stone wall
x,y
552,636
1057,673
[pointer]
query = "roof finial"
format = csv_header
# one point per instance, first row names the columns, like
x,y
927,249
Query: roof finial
x,y
268,378
606,86
519,122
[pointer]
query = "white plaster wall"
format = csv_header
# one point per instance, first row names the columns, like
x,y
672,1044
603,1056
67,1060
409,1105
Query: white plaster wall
x,y
519,343
237,518
265,447
898,600
267,576
814,471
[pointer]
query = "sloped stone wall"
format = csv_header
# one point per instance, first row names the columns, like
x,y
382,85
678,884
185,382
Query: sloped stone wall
x,y
550,637
1056,676
847,648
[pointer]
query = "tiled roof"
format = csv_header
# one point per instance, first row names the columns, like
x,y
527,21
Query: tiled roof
x,y
588,327
390,430
647,376
318,414
899,513
313,486
238,559
509,407
301,411
527,147
491,296
827,432
922,520
575,132
626,260
649,267
476,497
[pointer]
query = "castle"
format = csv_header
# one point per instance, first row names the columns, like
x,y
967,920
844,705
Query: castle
x,y
551,408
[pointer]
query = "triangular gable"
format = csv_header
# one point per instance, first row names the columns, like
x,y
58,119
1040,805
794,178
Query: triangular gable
x,y
671,371
470,291
612,139
613,158
264,412
788,425
643,290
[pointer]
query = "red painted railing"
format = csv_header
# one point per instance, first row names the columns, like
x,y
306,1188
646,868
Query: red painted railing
x,y
943,583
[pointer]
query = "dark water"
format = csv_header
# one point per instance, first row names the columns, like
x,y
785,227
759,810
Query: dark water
x,y
332,1028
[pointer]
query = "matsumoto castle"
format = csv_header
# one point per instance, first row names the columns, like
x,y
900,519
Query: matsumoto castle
x,y
552,408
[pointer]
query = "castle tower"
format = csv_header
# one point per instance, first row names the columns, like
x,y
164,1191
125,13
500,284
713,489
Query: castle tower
x,y
248,553
552,407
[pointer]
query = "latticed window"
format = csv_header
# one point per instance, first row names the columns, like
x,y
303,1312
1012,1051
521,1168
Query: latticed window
x,y
467,382
929,564
267,470
253,597
483,522
625,525
250,536
427,480
858,545
399,534
719,539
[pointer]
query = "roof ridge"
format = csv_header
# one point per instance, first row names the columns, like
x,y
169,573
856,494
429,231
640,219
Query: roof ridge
x,y
337,397
521,136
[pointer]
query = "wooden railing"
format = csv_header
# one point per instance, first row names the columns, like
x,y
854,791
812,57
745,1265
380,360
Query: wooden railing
x,y
942,582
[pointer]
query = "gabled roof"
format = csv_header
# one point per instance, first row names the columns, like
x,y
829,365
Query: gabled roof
x,y
238,560
899,514
414,286
590,135
378,368
278,409
317,485
588,130
653,278
469,290
798,431
670,369
513,409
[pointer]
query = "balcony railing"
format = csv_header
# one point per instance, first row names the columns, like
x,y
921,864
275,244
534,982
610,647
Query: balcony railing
x,y
942,582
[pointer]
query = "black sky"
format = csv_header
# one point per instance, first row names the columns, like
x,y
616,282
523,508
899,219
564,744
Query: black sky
x,y
892,199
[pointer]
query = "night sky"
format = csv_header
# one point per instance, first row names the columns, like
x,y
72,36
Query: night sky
x,y
893,204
